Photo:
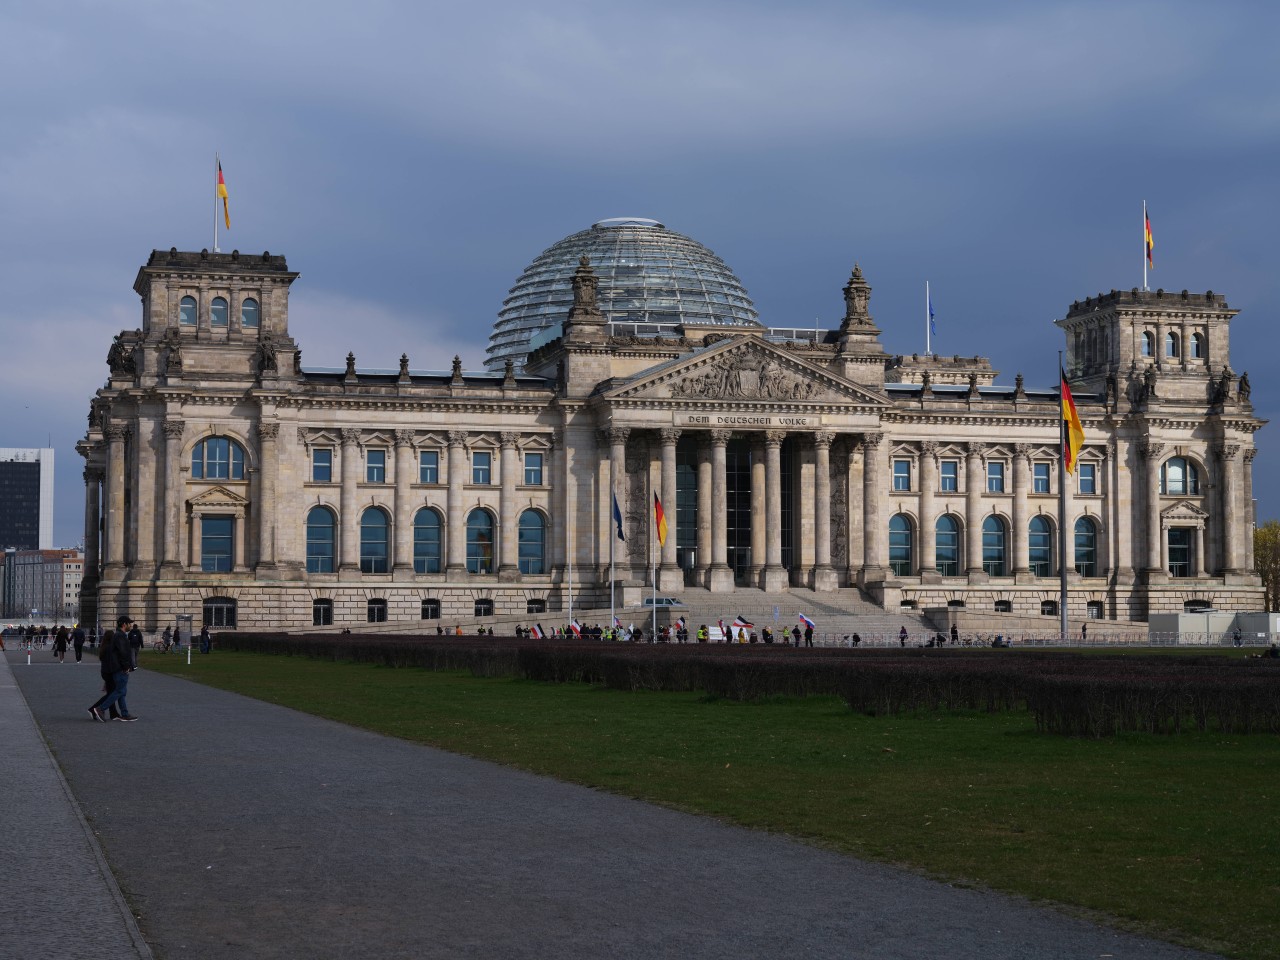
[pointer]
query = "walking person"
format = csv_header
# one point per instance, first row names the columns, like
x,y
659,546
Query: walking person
x,y
135,645
902,635
60,645
166,640
955,634
77,642
206,641
115,667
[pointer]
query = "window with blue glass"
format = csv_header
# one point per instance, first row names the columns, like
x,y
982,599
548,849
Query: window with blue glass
x,y
902,475
426,541
994,547
321,465
533,543
249,312
479,542
1178,478
995,477
219,312
947,546
1086,559
1088,478
1040,546
900,545
950,476
1148,344
187,311
429,466
217,458
374,538
321,534
375,466
216,534
1040,478
533,469
481,467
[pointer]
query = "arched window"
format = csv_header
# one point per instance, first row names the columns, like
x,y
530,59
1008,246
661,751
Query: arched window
x,y
248,312
1179,478
1040,546
479,542
321,527
1086,547
217,458
947,546
1171,344
219,612
533,535
426,541
187,311
1148,344
993,546
1197,346
374,529
219,312
900,545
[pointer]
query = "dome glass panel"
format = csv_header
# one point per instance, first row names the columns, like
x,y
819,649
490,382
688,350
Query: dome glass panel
x,y
647,275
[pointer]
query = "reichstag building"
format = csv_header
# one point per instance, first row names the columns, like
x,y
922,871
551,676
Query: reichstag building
x,y
227,480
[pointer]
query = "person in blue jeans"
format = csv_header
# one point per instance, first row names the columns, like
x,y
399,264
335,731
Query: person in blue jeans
x,y
117,663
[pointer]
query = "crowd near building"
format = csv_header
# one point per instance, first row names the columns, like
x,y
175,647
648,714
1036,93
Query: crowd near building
x,y
228,480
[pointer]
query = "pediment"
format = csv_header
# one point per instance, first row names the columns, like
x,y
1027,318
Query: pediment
x,y
744,369
1183,512
218,498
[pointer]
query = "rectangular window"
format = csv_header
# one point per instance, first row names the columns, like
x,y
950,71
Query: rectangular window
x,y
215,544
375,466
533,469
902,475
322,613
995,477
428,467
1088,473
950,476
481,467
321,465
1040,478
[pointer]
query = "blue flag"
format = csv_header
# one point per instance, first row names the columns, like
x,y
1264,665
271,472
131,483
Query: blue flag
x,y
933,329
617,518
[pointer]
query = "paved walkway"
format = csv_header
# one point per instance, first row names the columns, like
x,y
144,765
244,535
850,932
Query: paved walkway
x,y
239,830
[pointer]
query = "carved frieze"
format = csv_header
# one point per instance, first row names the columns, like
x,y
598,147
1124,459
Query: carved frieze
x,y
747,375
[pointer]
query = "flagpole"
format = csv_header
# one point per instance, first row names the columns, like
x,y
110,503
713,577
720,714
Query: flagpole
x,y
613,580
216,164
569,554
1062,504
928,346
653,562
1144,247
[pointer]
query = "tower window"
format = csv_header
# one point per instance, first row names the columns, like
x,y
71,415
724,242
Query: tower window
x,y
218,312
187,312
249,313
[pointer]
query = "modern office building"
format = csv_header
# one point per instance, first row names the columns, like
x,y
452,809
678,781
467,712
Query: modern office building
x,y
26,498
41,585
233,483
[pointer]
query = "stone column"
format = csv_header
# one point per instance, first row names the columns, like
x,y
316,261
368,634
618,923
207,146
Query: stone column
x,y
824,577
874,533
670,576
402,550
171,559
197,540
238,539
93,525
562,498
142,523
508,552
1021,545
618,484
1249,454
720,575
115,434
1227,457
774,576
456,535
759,512
1123,512
925,534
705,550
974,486
1151,452
349,548
1200,571
265,508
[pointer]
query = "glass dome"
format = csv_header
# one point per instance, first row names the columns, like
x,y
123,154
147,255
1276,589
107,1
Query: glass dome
x,y
651,279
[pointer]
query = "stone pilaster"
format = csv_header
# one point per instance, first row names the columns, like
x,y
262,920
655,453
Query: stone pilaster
x,y
171,560
720,575
116,435
268,460
1021,547
1151,452
875,535
402,548
508,553
925,535
824,577
1228,460
349,548
774,575
974,484
456,536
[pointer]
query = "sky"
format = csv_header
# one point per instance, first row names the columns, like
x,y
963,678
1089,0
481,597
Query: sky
x,y
411,158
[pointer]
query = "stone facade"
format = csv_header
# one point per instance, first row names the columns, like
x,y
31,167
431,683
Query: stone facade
x,y
231,483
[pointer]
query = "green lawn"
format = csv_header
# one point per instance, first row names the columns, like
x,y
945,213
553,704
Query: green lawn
x,y
1172,836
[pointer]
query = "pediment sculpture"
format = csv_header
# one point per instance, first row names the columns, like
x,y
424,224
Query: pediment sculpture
x,y
746,376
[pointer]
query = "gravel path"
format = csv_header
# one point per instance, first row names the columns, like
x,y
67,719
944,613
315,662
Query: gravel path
x,y
238,829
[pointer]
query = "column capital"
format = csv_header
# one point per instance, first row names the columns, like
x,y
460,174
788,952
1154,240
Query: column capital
x,y
929,448
1249,454
508,439
404,438
871,441
1150,449
1227,452
92,475
824,438
772,438
720,437
618,434
975,449
350,437
173,429
1022,452
669,435
457,438
556,439
267,429
115,432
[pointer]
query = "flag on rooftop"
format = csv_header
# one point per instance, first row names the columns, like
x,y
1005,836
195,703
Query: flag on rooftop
x,y
1148,241
933,328
222,195
1074,438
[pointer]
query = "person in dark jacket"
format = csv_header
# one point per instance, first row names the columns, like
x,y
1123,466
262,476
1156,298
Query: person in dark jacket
x,y
116,664
135,646
77,641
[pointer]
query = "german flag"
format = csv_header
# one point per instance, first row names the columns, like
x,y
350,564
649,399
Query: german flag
x,y
660,519
222,194
1074,439
1147,240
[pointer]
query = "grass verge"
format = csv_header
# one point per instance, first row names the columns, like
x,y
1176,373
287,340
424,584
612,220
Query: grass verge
x,y
1170,836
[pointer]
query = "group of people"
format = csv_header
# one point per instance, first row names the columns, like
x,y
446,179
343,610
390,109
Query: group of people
x,y
117,658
